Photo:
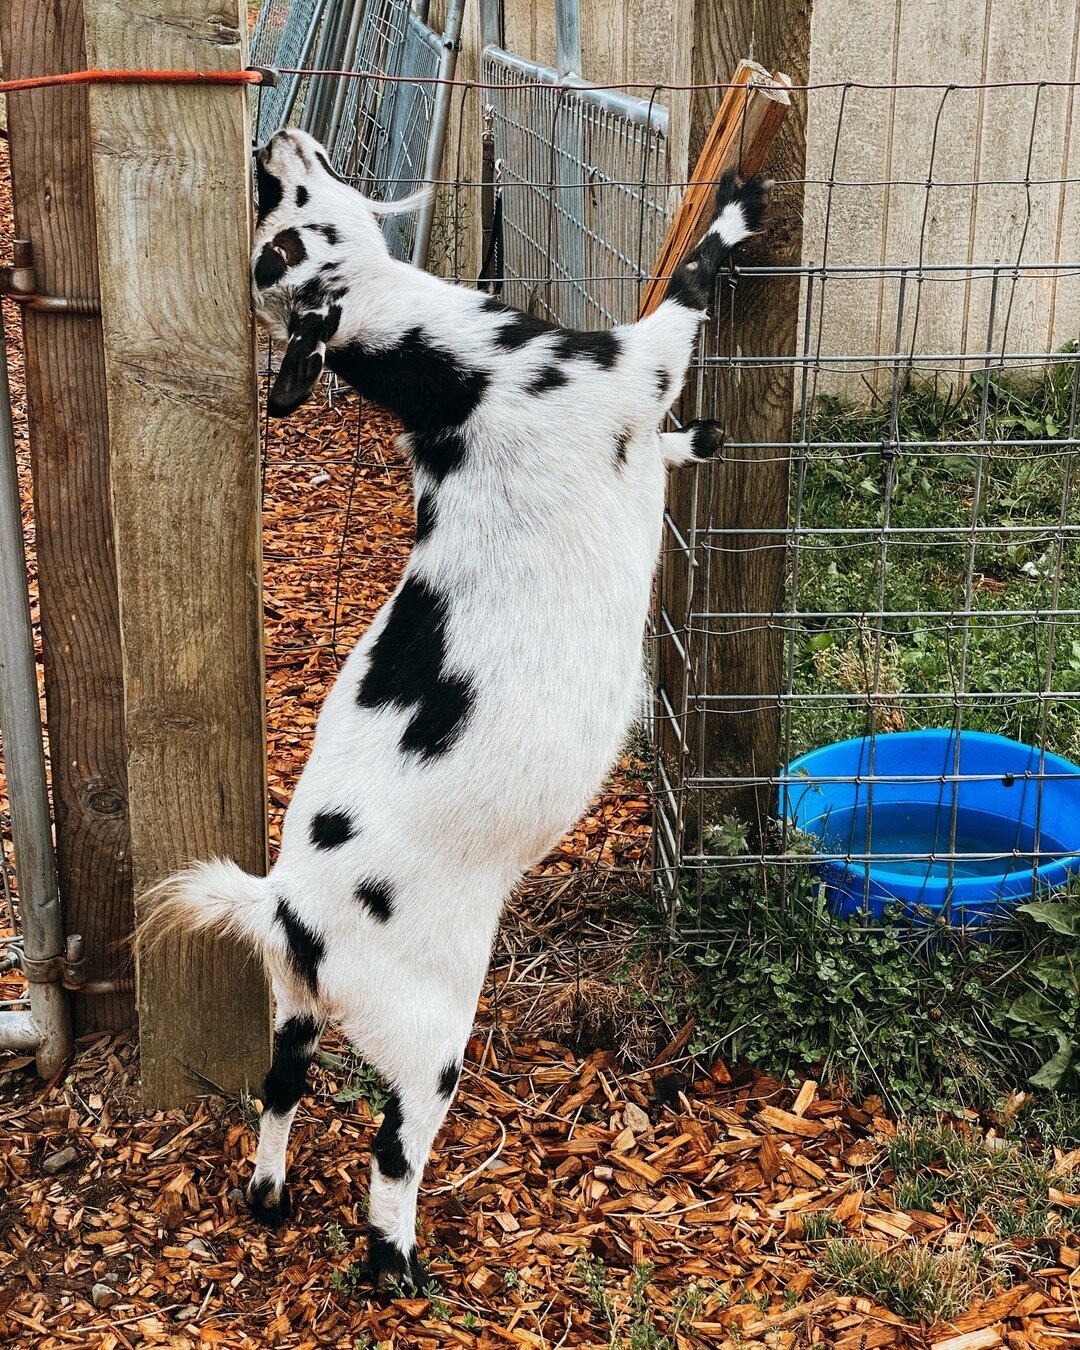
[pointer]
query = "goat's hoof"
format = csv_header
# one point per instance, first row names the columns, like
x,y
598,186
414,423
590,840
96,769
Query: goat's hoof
x,y
269,1205
392,1271
708,439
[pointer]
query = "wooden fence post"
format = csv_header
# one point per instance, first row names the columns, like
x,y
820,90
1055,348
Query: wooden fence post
x,y
741,662
53,192
171,180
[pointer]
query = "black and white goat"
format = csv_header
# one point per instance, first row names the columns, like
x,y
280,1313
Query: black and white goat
x,y
482,709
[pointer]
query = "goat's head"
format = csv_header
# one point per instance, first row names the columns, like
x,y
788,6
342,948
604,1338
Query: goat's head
x,y
315,237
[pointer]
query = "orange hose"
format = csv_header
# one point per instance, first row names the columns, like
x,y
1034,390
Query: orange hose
x,y
134,77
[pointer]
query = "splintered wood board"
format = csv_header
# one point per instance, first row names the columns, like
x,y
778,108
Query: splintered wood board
x,y
745,125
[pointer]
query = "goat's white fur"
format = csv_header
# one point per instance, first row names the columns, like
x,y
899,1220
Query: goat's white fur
x,y
545,548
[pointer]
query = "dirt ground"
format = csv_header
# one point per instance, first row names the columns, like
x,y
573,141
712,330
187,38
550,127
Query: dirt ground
x,y
570,1201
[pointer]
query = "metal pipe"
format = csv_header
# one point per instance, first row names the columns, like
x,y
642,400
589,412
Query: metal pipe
x,y
491,23
305,53
24,758
19,1031
642,111
437,135
325,59
568,37
348,58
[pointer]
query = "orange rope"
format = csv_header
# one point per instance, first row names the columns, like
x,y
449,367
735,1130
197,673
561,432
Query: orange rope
x,y
135,77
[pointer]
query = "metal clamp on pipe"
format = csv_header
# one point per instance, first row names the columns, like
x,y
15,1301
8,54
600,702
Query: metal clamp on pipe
x,y
49,970
18,281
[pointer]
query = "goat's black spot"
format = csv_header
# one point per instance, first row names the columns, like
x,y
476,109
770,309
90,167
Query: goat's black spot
x,y
301,195
306,948
270,267
387,1148
448,1079
290,245
519,328
269,190
273,1208
428,387
545,379
663,382
329,167
294,1045
328,232
314,294
426,512
392,1269
706,438
406,670
622,440
439,452
308,326
331,322
330,829
694,280
434,726
318,292
377,897
600,348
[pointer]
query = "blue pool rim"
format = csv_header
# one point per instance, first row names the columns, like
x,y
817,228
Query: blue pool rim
x,y
970,900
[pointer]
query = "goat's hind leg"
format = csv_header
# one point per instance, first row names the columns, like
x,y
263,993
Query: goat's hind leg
x,y
422,1086
296,1038
697,441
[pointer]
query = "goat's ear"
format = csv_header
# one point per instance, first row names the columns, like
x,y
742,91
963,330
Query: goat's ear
x,y
301,365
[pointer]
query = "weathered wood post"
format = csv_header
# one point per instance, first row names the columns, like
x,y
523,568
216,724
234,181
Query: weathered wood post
x,y
53,190
171,184
740,663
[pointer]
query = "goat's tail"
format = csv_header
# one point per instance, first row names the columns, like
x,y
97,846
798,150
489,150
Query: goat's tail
x,y
209,897
403,206
740,209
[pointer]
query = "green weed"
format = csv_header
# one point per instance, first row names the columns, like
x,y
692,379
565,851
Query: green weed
x,y
820,1224
361,1082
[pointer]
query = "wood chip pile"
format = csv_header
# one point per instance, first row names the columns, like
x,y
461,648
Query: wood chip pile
x,y
119,1230
559,1177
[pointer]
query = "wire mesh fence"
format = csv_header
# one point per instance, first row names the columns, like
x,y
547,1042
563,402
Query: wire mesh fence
x,y
284,34
584,181
927,601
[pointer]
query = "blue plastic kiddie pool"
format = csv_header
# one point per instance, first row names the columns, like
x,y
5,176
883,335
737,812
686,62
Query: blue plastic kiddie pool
x,y
988,837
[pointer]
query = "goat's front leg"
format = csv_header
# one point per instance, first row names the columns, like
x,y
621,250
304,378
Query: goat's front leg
x,y
296,1038
695,442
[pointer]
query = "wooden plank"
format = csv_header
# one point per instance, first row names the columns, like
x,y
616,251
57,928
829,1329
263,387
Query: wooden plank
x,y
740,661
172,187
936,138
52,186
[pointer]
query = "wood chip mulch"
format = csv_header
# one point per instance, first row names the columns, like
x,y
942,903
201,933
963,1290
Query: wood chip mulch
x,y
120,1228
546,1160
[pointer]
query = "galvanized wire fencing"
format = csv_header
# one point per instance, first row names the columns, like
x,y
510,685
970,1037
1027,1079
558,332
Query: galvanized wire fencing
x,y
924,537
584,184
284,36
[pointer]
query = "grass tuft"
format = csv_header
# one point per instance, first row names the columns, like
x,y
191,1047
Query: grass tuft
x,y
913,1282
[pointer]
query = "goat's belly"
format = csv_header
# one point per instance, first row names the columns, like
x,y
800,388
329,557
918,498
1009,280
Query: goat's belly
x,y
527,771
